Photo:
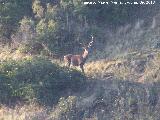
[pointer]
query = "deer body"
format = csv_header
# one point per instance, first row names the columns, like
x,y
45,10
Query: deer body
x,y
78,60
74,60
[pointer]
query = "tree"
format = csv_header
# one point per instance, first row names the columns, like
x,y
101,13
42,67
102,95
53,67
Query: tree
x,y
10,14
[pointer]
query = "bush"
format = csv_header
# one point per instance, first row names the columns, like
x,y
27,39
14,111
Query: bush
x,y
65,109
36,79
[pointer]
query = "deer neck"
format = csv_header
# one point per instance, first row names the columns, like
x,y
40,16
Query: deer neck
x,y
85,55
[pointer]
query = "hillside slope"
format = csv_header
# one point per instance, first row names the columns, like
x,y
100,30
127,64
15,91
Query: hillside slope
x,y
138,66
124,88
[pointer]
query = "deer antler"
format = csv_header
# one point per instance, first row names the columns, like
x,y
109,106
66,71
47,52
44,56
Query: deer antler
x,y
90,43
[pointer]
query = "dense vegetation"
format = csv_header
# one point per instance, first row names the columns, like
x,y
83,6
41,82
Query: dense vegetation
x,y
36,79
121,79
62,25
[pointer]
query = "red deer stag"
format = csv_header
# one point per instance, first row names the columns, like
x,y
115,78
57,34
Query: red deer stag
x,y
78,60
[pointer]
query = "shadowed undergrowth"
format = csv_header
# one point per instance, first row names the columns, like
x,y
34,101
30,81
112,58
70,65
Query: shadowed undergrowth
x,y
102,100
36,79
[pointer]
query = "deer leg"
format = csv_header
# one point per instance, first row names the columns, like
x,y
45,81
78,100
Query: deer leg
x,y
81,66
69,64
66,64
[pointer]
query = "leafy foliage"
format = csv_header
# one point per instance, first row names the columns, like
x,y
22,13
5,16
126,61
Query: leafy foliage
x,y
11,12
36,79
62,25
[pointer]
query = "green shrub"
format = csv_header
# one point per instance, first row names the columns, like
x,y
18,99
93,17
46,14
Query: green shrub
x,y
36,79
65,109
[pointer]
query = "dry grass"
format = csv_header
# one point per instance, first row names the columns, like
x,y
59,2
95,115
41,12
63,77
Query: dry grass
x,y
26,112
98,68
7,55
137,67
